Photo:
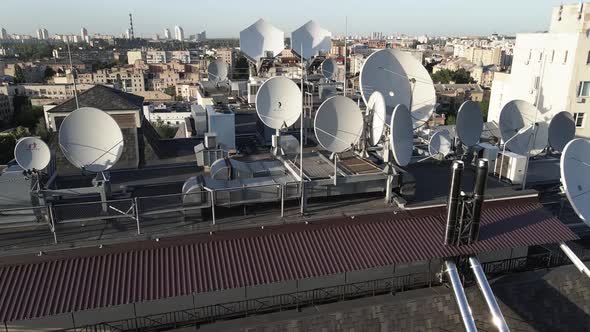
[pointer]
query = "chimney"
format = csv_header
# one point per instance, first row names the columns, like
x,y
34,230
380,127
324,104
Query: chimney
x,y
453,203
481,178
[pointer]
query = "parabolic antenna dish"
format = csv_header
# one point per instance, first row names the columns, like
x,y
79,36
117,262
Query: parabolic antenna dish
x,y
377,109
279,102
217,71
330,69
32,153
91,139
525,132
338,124
440,144
401,79
313,38
469,123
259,38
575,176
401,136
562,129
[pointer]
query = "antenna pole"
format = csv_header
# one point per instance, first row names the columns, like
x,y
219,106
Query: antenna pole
x,y
73,74
345,38
302,208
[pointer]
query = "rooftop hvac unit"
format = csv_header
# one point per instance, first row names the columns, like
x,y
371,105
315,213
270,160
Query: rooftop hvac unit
x,y
580,100
511,166
210,140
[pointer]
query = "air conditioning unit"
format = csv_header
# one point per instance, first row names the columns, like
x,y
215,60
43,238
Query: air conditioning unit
x,y
511,166
580,100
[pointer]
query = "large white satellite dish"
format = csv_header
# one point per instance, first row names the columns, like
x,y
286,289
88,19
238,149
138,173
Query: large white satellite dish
x,y
260,38
338,124
401,136
440,144
562,129
217,71
279,102
575,176
401,79
32,153
312,38
469,124
329,69
376,107
91,139
522,130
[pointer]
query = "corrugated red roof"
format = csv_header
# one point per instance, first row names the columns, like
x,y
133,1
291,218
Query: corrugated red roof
x,y
79,280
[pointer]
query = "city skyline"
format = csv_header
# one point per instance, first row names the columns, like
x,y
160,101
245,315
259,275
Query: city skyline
x,y
446,17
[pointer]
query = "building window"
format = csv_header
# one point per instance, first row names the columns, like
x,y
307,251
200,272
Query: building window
x,y
588,58
584,89
579,119
565,57
552,56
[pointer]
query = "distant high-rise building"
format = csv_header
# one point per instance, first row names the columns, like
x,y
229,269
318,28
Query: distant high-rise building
x,y
201,36
128,33
3,34
178,33
42,34
156,37
84,33
167,33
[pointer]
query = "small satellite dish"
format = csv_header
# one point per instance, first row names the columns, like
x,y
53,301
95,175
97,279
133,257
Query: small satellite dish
x,y
519,124
469,123
377,108
32,153
279,102
440,144
91,139
329,69
312,38
217,71
338,124
401,136
562,129
402,80
575,176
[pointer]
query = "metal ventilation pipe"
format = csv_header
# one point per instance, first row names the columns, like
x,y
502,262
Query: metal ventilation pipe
x,y
481,179
575,259
453,203
484,286
460,297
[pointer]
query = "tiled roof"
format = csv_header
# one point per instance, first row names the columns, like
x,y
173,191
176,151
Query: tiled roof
x,y
104,98
79,280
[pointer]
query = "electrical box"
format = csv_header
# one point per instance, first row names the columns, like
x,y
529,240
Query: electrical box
x,y
489,152
511,166
222,123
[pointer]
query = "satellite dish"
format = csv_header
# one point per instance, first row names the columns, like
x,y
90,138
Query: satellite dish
x,y
401,137
575,176
377,108
338,124
440,144
519,124
260,38
312,38
32,153
329,69
217,71
91,139
402,80
279,102
469,123
562,129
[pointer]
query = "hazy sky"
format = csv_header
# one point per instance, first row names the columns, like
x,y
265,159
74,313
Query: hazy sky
x,y
226,18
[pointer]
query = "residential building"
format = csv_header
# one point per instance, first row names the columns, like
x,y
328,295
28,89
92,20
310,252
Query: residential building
x,y
6,108
84,34
202,36
155,56
3,34
182,56
551,70
47,91
226,54
451,96
126,79
135,55
178,33
42,34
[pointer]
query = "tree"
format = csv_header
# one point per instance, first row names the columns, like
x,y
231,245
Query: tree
x,y
442,76
41,130
48,74
170,90
485,106
19,75
446,76
164,130
450,119
7,143
462,76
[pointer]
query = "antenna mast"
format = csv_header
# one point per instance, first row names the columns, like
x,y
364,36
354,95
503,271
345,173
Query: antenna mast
x,y
131,36
73,75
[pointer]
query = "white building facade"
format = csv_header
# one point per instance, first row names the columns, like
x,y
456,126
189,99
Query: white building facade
x,y
551,70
